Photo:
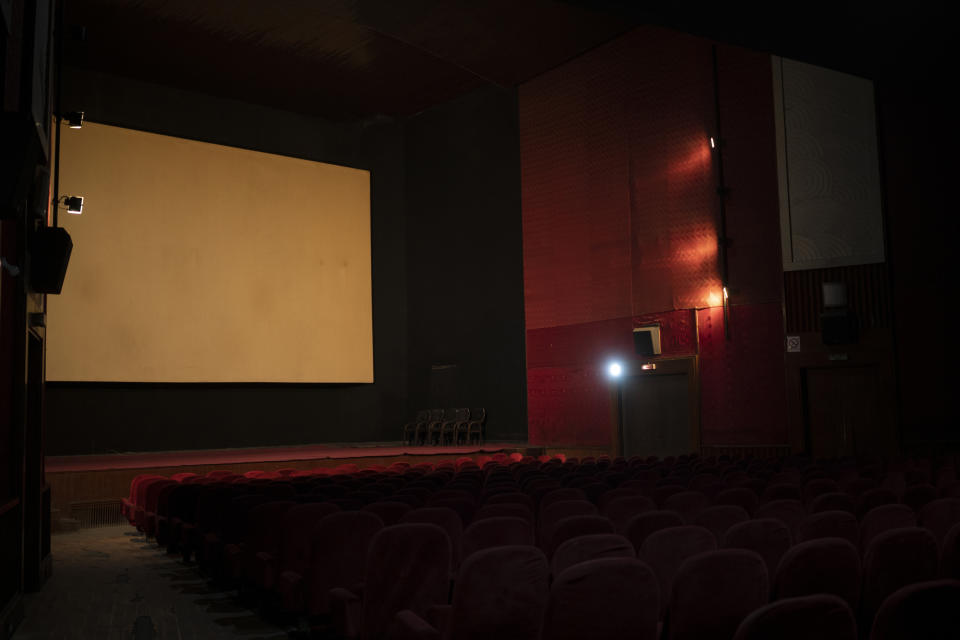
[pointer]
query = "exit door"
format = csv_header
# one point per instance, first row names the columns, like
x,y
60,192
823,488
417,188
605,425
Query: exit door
x,y
843,412
657,415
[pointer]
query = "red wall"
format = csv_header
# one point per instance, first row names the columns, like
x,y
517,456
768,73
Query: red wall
x,y
620,229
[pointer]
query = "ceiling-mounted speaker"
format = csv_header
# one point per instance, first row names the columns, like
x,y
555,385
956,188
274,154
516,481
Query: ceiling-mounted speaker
x,y
50,250
646,340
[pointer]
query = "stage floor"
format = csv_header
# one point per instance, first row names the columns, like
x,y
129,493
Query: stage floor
x,y
159,459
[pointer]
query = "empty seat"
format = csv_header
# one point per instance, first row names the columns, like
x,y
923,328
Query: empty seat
x,y
884,518
918,495
720,518
621,510
389,511
613,494
713,592
500,593
509,510
590,547
789,512
781,491
824,565
517,497
662,492
817,487
559,495
939,516
829,524
820,616
687,503
767,537
338,551
641,526
875,498
836,501
293,553
893,560
554,513
407,567
739,496
925,610
601,599
667,549
571,528
950,554
496,532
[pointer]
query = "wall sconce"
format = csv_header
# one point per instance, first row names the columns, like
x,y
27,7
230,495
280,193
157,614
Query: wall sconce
x,y
74,119
74,204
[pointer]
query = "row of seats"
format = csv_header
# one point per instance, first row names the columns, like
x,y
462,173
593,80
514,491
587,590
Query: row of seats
x,y
445,427
322,544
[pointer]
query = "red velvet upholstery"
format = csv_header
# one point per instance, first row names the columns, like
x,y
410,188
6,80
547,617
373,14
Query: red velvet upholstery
x,y
833,502
504,510
496,532
641,526
562,494
938,516
571,528
718,519
874,498
893,560
927,610
293,553
601,599
554,513
789,512
819,617
665,550
713,592
768,537
687,503
621,510
445,518
388,511
738,496
590,547
824,565
829,524
884,518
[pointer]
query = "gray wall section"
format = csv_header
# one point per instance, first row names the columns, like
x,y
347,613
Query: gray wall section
x,y
464,260
447,278
84,418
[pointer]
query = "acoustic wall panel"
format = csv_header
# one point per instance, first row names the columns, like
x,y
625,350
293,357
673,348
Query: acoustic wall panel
x,y
830,208
196,262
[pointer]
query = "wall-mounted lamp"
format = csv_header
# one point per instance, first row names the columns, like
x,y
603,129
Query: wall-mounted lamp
x,y
614,370
74,119
650,366
74,204
713,142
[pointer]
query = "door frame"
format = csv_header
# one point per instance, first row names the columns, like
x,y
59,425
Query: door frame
x,y
633,368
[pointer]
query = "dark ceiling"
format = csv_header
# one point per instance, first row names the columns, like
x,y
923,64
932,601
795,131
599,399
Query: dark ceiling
x,y
351,59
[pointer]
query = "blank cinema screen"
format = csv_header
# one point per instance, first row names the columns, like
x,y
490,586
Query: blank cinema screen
x,y
195,262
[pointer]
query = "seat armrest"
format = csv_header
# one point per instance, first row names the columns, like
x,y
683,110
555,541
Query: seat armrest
x,y
439,617
346,611
409,626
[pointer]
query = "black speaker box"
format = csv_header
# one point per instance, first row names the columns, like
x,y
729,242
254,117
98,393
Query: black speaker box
x,y
839,327
643,343
50,249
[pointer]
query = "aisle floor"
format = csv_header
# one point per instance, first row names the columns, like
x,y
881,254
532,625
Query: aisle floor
x,y
110,583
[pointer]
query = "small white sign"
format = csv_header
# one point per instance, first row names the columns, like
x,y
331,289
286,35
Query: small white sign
x,y
793,344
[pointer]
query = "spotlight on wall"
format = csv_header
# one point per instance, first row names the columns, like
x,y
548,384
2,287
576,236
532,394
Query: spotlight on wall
x,y
74,119
614,370
74,204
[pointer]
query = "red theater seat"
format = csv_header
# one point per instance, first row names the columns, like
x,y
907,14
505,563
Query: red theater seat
x,y
927,610
572,527
665,550
448,520
496,532
820,617
590,547
767,537
293,552
790,512
938,516
390,512
895,559
739,496
601,599
641,526
720,518
407,567
713,592
829,524
824,565
884,518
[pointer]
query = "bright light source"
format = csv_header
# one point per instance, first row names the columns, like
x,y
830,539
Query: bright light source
x,y
713,143
726,295
649,366
74,119
615,370
74,204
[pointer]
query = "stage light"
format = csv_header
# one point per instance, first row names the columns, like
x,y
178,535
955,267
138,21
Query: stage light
x,y
650,366
713,143
615,370
74,119
74,204
726,296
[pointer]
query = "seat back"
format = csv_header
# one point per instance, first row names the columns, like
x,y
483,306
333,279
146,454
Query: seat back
x,y
641,526
571,528
687,503
496,532
500,593
788,511
829,524
714,591
445,518
338,555
922,610
820,616
767,537
506,509
824,565
590,547
391,512
665,550
603,598
893,560
621,510
297,534
408,567
718,519
884,518
739,496
939,516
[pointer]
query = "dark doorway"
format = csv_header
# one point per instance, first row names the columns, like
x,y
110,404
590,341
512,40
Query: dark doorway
x,y
657,415
842,408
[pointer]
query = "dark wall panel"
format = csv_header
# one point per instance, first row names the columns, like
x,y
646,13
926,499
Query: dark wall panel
x,y
463,252
104,418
